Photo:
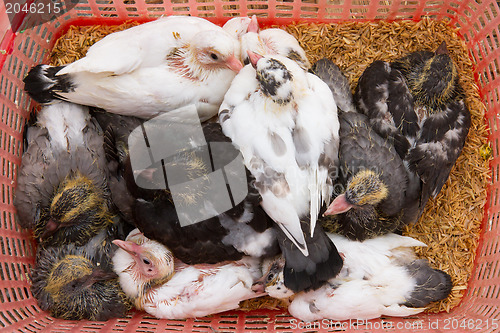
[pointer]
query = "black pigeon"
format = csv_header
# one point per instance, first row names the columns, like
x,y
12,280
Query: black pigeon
x,y
244,229
417,103
117,129
375,196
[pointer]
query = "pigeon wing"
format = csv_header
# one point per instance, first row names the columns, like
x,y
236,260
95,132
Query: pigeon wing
x,y
438,147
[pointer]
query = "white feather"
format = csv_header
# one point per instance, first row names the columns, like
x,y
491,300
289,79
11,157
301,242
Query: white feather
x,y
237,26
373,282
274,41
252,116
127,72
145,45
192,291
223,287
65,123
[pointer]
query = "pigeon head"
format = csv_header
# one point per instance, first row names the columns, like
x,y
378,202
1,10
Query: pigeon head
x,y
141,263
364,188
437,81
72,286
273,41
275,77
77,212
251,42
213,51
273,280
239,26
83,283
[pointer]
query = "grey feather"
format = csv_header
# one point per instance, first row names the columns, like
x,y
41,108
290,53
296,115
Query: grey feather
x,y
338,83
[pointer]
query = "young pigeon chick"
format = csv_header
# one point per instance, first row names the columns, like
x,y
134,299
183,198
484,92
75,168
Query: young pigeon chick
x,y
238,26
374,193
147,70
284,122
272,41
417,102
74,285
117,129
338,83
61,187
147,201
167,288
380,276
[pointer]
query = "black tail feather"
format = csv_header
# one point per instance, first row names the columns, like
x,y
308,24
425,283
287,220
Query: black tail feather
x,y
431,284
311,272
42,84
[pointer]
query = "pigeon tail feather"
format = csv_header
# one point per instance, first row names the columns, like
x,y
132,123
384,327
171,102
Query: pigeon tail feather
x,y
43,85
299,243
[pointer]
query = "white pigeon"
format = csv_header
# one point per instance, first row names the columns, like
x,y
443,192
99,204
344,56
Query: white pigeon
x,y
238,26
284,121
165,287
380,276
146,70
272,41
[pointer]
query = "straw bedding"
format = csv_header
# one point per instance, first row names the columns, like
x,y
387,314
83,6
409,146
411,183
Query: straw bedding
x,y
450,225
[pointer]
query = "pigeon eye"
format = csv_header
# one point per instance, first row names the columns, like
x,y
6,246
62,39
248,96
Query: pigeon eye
x,y
146,261
214,56
270,277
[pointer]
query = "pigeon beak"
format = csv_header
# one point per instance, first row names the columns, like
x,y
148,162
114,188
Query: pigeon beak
x,y
442,49
234,64
254,58
128,246
259,287
254,25
50,228
338,206
98,275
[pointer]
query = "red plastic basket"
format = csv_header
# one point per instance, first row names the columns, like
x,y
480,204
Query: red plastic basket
x,y
20,48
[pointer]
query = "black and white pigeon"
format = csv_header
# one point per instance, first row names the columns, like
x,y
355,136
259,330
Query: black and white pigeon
x,y
154,202
146,70
284,122
381,276
417,102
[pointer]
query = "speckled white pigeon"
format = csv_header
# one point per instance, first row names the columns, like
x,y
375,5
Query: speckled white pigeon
x,y
284,121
